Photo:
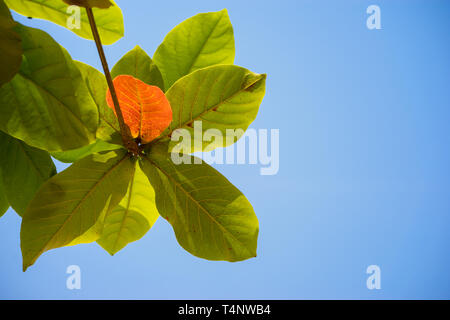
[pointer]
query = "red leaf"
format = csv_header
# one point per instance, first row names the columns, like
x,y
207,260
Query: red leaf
x,y
145,108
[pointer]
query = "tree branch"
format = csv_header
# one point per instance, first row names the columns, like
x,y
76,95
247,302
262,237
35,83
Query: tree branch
x,y
127,139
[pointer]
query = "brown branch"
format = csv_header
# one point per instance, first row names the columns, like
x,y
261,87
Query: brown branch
x,y
127,139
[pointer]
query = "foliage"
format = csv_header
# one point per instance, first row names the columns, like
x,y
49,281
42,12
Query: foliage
x,y
138,64
24,170
53,109
10,46
212,219
4,204
201,41
51,105
221,97
109,21
71,202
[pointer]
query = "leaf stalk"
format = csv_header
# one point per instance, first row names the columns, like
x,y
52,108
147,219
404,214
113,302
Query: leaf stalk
x,y
127,139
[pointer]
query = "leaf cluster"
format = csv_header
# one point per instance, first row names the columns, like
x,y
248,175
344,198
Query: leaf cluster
x,y
53,106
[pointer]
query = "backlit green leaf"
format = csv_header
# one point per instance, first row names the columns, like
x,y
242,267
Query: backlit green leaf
x,y
10,46
138,64
211,218
78,154
201,41
4,204
24,170
92,234
109,21
133,217
221,97
47,104
108,128
71,202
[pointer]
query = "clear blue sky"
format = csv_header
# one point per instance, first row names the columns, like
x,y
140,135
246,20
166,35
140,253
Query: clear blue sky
x,y
364,166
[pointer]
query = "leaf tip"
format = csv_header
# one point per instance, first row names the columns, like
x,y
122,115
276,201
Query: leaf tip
x,y
224,12
226,15
254,81
137,48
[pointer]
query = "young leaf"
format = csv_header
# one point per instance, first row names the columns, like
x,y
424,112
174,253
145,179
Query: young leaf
x,y
47,104
138,64
108,128
132,218
211,218
221,97
201,41
24,170
78,154
71,202
4,204
145,108
10,46
103,4
109,21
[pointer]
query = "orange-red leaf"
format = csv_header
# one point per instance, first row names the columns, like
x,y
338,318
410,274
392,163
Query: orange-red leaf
x,y
145,108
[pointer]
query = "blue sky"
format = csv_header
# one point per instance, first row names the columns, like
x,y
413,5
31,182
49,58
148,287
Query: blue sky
x,y
364,161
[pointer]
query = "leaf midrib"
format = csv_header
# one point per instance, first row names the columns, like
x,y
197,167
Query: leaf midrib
x,y
127,210
85,20
209,109
198,204
203,45
30,160
89,70
72,213
57,99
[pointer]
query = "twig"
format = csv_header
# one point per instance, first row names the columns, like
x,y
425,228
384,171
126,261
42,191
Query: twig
x,y
127,139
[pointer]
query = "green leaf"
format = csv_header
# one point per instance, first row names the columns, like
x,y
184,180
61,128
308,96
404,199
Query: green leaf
x,y
24,170
211,218
4,204
132,218
71,202
78,154
221,97
108,129
92,234
138,64
201,41
47,104
10,46
109,21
